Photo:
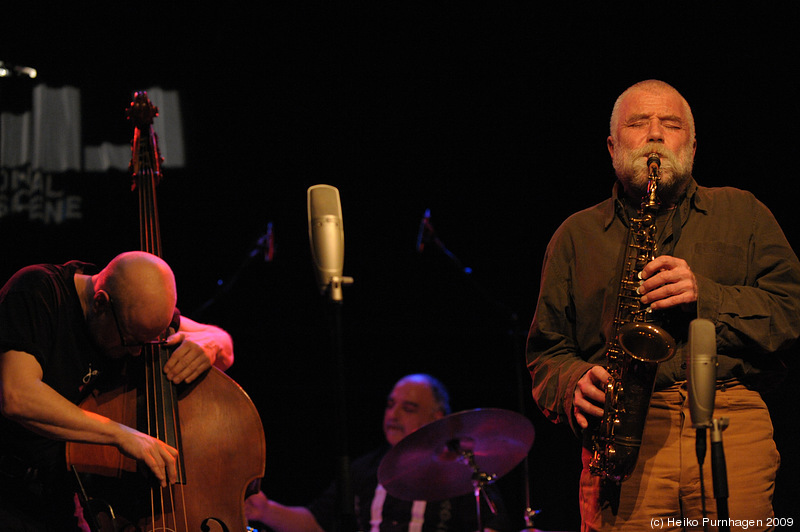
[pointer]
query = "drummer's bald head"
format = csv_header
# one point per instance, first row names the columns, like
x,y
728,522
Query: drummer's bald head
x,y
439,391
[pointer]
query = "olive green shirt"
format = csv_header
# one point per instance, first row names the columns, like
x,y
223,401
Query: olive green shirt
x,y
748,282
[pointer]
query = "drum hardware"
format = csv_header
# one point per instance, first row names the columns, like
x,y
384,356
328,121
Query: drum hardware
x,y
459,454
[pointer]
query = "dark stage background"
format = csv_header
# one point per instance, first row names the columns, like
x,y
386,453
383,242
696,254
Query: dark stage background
x,y
494,118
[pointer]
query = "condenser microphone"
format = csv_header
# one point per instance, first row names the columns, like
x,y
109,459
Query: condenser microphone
x,y
702,374
326,236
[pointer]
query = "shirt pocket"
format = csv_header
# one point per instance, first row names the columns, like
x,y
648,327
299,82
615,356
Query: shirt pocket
x,y
723,262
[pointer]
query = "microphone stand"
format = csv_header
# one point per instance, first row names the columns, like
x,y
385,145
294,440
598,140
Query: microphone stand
x,y
700,451
719,472
264,246
428,234
345,509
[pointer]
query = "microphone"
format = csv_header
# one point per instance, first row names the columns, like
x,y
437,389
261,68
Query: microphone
x,y
326,236
265,245
702,380
269,244
423,226
702,374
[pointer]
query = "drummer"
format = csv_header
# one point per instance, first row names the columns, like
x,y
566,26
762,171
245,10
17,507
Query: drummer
x,y
414,401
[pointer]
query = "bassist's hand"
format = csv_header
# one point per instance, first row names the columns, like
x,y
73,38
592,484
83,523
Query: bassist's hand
x,y
159,457
199,346
190,359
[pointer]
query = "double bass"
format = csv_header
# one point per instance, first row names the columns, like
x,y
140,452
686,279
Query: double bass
x,y
211,422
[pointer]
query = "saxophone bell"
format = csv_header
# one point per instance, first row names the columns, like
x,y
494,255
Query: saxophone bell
x,y
646,342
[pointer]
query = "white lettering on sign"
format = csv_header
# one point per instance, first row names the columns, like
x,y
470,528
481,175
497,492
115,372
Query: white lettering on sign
x,y
23,191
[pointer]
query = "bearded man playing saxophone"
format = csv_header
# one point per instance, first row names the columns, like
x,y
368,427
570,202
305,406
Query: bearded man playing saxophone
x,y
721,256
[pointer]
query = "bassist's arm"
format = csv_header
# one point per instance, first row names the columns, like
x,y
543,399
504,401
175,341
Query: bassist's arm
x,y
199,346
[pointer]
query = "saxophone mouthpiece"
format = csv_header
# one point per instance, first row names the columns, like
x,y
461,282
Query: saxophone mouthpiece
x,y
653,162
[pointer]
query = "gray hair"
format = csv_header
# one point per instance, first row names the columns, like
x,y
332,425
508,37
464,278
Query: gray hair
x,y
439,391
650,85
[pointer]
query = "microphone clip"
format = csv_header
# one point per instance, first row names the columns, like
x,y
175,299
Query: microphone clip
x,y
335,287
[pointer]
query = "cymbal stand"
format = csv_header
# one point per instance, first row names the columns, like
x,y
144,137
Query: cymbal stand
x,y
720,472
427,234
530,513
480,479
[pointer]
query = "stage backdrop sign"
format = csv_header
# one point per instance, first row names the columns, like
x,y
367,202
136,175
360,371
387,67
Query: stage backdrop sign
x,y
57,192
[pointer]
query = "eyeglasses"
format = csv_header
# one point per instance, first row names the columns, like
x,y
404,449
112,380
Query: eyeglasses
x,y
122,336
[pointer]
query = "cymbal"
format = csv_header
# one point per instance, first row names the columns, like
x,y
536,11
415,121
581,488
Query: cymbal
x,y
430,464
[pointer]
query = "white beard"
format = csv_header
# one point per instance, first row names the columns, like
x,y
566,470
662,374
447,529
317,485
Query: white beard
x,y
675,171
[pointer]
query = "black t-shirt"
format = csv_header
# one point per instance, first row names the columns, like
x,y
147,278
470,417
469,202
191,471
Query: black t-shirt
x,y
40,314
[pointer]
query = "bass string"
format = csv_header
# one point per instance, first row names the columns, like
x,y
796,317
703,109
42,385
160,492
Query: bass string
x,y
162,424
149,227
161,404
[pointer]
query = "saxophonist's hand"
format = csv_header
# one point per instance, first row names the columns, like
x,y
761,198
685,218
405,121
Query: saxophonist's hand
x,y
589,393
667,282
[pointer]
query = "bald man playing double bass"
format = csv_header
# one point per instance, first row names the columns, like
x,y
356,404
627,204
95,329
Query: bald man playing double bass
x,y
61,328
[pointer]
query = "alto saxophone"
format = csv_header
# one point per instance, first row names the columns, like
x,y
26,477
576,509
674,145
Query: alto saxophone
x,y
635,351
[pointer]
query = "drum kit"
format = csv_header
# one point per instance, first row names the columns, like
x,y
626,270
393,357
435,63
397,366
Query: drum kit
x,y
457,455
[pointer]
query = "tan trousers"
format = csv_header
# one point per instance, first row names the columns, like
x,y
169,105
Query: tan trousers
x,y
664,493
